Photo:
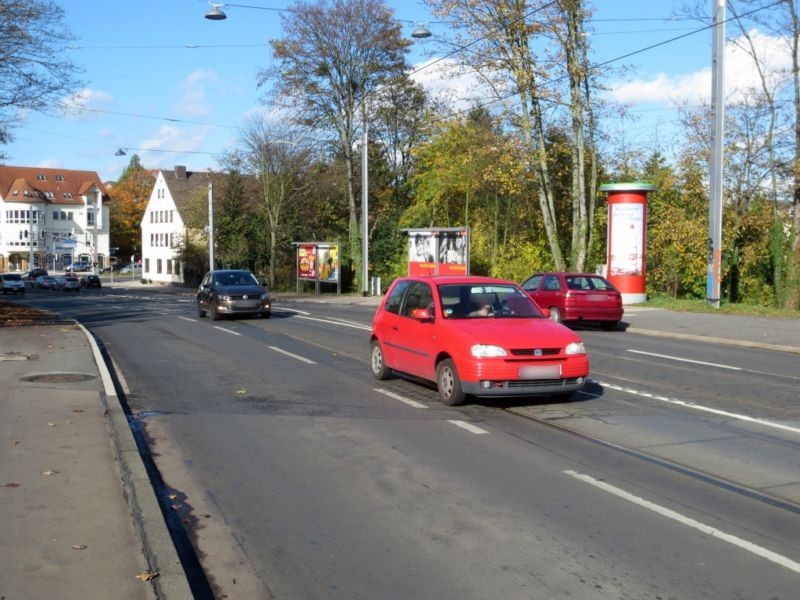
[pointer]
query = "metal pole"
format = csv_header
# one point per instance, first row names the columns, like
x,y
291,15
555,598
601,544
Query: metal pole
x,y
718,109
97,205
210,226
30,237
364,205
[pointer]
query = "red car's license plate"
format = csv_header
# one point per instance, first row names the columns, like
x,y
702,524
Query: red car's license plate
x,y
540,372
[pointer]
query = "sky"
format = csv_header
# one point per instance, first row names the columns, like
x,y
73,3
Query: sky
x,y
163,82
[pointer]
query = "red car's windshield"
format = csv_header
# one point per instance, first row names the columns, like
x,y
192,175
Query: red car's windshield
x,y
471,301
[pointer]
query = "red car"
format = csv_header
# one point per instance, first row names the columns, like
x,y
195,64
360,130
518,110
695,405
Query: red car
x,y
576,297
474,336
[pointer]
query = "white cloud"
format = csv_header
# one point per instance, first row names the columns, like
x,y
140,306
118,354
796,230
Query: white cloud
x,y
443,81
194,100
78,106
740,75
167,145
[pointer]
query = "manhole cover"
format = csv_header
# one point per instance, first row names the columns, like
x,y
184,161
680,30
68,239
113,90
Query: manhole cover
x,y
58,377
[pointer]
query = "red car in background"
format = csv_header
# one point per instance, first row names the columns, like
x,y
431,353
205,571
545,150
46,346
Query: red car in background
x,y
576,297
474,336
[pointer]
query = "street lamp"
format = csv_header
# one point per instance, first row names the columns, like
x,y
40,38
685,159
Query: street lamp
x,y
215,14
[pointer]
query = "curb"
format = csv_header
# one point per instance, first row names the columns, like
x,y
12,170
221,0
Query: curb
x,y
157,546
714,340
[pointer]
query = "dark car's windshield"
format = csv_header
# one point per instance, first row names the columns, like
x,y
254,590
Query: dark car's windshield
x,y
235,278
471,301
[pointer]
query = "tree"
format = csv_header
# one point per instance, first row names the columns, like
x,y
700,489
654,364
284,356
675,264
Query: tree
x,y
129,198
502,36
34,73
332,57
278,164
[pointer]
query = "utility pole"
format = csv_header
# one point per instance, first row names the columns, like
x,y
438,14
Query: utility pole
x,y
715,200
364,204
210,226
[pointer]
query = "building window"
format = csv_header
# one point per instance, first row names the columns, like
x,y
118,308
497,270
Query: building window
x,y
59,178
90,218
158,266
170,215
169,266
49,195
41,177
67,195
146,265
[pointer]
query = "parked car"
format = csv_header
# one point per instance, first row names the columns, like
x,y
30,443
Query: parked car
x,y
34,273
474,336
81,267
12,283
71,283
131,267
576,297
45,282
232,292
91,281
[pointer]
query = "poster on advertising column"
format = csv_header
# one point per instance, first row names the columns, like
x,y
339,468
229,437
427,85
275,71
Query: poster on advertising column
x,y
627,239
453,252
421,252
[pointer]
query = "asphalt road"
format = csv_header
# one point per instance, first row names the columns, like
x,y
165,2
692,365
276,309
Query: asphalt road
x,y
299,476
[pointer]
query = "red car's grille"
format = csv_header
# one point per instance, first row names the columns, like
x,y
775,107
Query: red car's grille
x,y
536,383
535,351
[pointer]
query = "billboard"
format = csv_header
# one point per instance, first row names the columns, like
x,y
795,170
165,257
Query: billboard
x,y
318,263
438,251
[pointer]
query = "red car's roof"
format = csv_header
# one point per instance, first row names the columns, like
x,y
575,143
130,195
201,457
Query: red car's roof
x,y
441,279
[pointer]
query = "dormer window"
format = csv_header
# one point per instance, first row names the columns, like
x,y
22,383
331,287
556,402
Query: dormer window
x,y
67,195
59,178
49,195
41,177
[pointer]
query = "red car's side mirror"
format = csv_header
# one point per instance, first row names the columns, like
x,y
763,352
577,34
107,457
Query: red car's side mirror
x,y
421,314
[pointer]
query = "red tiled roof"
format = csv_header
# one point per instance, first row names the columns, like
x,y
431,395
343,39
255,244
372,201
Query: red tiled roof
x,y
37,181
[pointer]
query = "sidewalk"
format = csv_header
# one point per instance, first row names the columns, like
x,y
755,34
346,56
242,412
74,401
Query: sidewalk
x,y
80,519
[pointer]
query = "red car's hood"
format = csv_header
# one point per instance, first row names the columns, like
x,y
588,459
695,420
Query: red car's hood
x,y
515,332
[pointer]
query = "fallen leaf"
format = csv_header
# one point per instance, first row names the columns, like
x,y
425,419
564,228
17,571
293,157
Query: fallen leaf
x,y
172,496
13,484
147,576
77,410
14,443
52,425
177,506
49,472
79,547
241,391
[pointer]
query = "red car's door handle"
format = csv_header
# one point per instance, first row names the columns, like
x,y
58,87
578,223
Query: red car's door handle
x,y
394,328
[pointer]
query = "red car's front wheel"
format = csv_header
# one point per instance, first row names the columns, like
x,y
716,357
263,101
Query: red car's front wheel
x,y
449,384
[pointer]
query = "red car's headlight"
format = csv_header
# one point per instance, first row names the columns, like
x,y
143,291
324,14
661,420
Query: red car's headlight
x,y
575,348
487,351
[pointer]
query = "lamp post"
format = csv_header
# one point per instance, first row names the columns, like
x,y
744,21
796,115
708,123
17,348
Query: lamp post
x,y
30,237
364,204
210,226
97,210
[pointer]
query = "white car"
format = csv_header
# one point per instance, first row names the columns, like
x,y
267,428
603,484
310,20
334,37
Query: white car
x,y
12,283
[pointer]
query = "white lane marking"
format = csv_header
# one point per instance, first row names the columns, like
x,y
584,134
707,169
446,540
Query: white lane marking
x,y
675,516
188,319
468,426
294,310
226,330
298,357
696,362
700,407
329,322
408,401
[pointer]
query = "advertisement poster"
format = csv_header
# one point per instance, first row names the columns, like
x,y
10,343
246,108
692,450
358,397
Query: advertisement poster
x,y
627,239
328,263
453,252
306,262
421,253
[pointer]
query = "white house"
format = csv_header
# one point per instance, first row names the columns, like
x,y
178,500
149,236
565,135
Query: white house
x,y
52,218
164,223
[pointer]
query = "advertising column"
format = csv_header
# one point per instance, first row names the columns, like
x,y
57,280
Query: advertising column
x,y
627,237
